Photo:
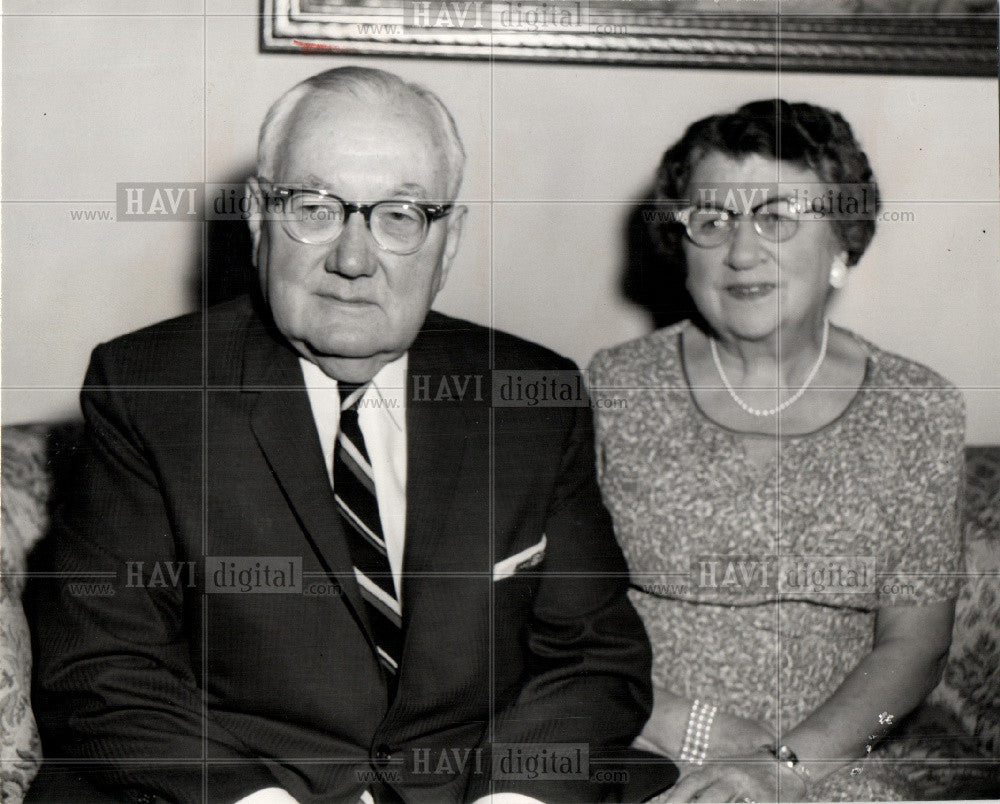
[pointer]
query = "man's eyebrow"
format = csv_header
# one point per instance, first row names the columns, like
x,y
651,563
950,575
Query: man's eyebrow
x,y
312,180
408,189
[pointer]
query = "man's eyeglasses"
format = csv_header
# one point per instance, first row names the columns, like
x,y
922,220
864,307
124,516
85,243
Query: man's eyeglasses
x,y
776,220
318,217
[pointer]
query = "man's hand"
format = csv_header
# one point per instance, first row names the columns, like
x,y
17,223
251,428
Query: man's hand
x,y
758,778
269,795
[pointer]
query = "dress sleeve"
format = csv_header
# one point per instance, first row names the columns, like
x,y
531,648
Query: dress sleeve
x,y
923,549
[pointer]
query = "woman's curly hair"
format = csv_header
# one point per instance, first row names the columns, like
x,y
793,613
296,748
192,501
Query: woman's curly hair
x,y
798,133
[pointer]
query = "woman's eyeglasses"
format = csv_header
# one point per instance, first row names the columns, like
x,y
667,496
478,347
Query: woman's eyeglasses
x,y
776,220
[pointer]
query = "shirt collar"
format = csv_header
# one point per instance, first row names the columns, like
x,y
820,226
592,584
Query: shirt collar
x,y
388,384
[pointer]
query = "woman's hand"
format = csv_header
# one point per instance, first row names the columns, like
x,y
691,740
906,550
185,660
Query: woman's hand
x,y
758,778
734,736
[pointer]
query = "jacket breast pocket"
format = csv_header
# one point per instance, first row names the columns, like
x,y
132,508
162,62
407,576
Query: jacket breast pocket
x,y
526,559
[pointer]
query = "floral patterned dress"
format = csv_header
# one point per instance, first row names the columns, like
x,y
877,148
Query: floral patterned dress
x,y
759,586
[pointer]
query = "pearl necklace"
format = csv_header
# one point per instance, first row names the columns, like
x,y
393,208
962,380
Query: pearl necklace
x,y
793,398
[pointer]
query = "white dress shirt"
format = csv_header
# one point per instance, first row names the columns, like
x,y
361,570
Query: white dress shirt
x,y
382,418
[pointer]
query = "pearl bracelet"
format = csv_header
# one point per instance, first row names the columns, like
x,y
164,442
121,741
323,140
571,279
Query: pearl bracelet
x,y
699,726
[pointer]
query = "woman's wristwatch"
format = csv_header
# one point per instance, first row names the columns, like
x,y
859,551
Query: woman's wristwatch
x,y
786,756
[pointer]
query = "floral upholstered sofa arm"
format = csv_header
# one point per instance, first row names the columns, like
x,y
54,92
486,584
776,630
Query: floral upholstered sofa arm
x,y
950,747
25,493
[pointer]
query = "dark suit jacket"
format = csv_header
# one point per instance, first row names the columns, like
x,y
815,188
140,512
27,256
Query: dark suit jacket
x,y
201,448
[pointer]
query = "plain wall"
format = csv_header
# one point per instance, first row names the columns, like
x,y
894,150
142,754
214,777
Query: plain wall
x,y
558,156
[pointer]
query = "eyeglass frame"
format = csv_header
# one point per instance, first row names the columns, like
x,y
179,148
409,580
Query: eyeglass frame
x,y
683,217
430,212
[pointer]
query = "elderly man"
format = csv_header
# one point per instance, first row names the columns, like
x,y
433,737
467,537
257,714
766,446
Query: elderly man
x,y
341,572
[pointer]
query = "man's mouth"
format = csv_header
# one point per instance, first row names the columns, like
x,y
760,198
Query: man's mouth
x,y
355,301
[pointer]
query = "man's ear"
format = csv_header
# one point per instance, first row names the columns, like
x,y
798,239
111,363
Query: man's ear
x,y
255,214
452,238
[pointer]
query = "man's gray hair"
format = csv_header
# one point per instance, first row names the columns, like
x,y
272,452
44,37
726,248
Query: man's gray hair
x,y
362,82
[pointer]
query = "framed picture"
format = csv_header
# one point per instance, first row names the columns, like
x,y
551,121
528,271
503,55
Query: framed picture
x,y
935,37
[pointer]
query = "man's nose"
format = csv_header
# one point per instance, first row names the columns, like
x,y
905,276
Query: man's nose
x,y
352,253
745,249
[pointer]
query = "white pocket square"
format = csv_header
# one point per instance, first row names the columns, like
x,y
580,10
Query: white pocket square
x,y
526,559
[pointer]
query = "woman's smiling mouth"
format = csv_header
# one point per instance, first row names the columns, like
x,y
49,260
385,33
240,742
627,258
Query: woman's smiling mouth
x,y
750,291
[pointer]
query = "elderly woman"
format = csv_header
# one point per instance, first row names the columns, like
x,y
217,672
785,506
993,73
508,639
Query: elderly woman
x,y
785,491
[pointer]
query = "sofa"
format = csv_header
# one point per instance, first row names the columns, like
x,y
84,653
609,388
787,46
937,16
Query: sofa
x,y
948,749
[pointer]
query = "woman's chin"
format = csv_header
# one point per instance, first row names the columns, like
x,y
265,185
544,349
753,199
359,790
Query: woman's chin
x,y
751,328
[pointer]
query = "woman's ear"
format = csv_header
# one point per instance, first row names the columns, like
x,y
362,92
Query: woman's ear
x,y
838,271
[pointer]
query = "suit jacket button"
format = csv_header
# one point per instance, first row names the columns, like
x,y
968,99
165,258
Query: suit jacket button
x,y
382,754
134,796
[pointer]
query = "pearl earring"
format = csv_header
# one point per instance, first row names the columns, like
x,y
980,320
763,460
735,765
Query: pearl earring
x,y
838,273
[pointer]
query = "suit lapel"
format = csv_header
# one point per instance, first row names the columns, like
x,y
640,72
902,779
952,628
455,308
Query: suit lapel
x,y
283,425
436,445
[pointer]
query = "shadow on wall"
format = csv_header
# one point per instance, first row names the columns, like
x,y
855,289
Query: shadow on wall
x,y
648,279
228,270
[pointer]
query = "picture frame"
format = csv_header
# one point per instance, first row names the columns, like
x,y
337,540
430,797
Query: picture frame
x,y
918,37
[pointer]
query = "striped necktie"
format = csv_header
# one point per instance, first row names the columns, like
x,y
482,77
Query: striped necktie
x,y
354,490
